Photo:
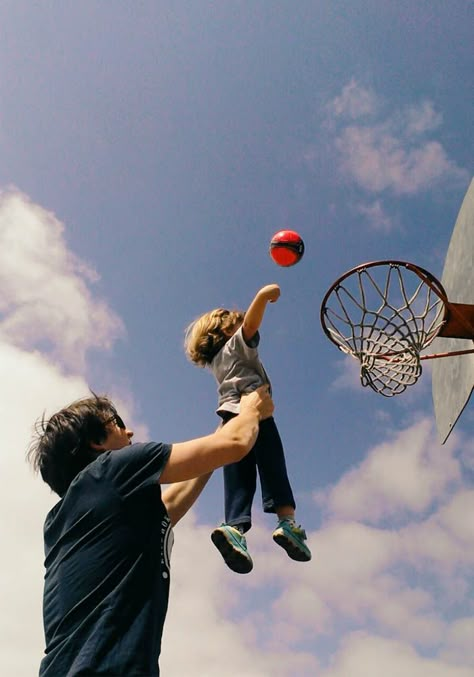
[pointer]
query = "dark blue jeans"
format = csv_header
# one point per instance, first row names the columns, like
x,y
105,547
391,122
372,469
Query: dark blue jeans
x,y
240,479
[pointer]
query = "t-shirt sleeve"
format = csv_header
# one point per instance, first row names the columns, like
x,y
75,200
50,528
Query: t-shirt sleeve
x,y
238,343
136,466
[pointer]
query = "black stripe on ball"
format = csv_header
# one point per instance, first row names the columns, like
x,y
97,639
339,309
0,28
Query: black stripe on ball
x,y
297,247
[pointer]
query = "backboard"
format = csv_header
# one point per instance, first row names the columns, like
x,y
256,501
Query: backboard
x,y
453,377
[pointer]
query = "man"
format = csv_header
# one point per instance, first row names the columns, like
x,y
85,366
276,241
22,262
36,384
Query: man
x,y
108,540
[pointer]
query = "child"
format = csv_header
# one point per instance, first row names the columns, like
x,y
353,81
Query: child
x,y
226,341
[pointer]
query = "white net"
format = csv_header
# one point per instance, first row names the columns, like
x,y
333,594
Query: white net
x,y
384,314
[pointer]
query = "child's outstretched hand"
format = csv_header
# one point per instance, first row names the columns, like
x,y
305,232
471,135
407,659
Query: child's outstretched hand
x,y
271,293
254,315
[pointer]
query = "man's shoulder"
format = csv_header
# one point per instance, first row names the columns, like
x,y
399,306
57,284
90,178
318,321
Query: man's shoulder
x,y
136,465
135,453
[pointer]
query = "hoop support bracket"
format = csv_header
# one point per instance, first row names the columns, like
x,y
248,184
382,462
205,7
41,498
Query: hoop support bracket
x,y
460,321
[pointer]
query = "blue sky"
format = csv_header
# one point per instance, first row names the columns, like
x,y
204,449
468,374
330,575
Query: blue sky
x,y
148,152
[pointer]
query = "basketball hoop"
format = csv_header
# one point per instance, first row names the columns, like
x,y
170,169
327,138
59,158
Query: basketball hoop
x,y
385,313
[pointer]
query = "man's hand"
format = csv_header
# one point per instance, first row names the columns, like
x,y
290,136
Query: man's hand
x,y
260,401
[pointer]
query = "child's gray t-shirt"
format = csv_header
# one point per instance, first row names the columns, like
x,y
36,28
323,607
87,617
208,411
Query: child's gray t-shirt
x,y
238,370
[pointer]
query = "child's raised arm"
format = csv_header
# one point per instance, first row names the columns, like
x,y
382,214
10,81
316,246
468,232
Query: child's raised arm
x,y
254,315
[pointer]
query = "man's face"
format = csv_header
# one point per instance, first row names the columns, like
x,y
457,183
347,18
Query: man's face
x,y
118,435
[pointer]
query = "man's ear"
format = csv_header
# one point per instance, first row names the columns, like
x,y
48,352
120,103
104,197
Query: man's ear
x,y
97,447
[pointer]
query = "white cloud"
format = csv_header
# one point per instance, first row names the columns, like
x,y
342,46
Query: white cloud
x,y
351,583
421,118
348,374
378,219
205,617
358,579
458,645
353,102
46,302
365,655
444,540
391,154
377,160
399,477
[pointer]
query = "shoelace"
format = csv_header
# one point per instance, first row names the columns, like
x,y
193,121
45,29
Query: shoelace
x,y
298,530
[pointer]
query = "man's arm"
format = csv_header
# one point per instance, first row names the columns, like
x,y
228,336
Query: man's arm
x,y
181,496
229,444
254,315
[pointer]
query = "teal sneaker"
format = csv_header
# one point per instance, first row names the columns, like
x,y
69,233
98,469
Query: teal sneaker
x,y
292,539
233,548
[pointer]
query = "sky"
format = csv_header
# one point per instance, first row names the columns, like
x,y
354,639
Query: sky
x,y
148,153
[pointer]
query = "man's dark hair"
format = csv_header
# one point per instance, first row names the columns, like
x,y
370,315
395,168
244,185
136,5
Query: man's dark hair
x,y
61,447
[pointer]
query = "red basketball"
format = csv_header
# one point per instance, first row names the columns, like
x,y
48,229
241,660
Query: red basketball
x,y
286,248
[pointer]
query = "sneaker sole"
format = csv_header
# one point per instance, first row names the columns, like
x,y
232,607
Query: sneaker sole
x,y
292,550
235,560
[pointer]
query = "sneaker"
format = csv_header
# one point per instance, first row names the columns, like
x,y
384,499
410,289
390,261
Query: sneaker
x,y
233,548
291,538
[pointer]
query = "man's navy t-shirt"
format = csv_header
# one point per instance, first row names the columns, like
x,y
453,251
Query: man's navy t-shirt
x,y
107,548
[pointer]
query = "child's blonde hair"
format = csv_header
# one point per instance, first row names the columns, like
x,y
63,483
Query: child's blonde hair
x,y
205,336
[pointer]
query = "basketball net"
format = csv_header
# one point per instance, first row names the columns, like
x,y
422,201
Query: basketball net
x,y
385,314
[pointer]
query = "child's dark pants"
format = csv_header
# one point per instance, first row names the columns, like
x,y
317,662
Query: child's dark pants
x,y
240,478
